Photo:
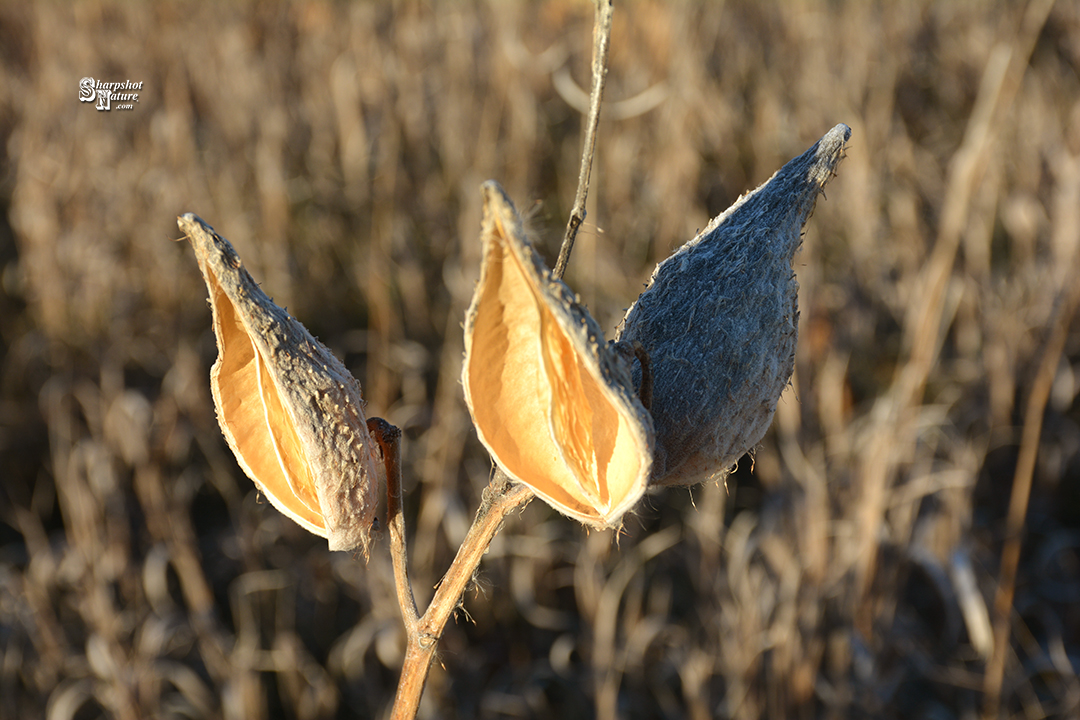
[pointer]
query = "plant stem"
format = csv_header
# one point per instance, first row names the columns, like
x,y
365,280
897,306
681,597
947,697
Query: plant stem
x,y
1057,333
502,494
501,497
388,438
601,41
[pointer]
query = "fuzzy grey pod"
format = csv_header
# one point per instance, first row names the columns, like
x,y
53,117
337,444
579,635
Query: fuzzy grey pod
x,y
719,321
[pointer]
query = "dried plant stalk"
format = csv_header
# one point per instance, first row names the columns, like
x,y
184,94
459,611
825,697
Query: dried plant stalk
x,y
601,42
551,401
290,411
719,321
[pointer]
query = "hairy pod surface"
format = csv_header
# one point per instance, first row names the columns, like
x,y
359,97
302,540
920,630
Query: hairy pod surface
x,y
551,401
291,412
719,321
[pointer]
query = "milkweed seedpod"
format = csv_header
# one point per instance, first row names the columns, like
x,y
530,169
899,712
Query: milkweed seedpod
x,y
552,403
719,321
290,411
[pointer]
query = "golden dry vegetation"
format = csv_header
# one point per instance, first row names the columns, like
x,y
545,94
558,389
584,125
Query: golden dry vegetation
x,y
849,570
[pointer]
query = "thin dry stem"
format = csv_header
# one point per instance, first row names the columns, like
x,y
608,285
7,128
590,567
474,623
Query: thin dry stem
x,y
1057,333
389,439
923,336
422,633
601,41
501,497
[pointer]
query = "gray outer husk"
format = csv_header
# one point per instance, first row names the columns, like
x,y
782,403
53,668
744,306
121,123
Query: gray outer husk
x,y
719,320
321,395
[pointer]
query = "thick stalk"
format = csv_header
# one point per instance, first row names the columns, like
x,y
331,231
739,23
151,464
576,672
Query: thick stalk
x,y
501,497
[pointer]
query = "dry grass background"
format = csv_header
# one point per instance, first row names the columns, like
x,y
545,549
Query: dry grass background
x,y
846,572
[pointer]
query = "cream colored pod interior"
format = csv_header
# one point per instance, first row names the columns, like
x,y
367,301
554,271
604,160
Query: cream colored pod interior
x,y
552,403
290,411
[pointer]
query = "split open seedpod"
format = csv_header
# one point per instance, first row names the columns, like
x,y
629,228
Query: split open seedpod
x,y
551,401
290,411
720,318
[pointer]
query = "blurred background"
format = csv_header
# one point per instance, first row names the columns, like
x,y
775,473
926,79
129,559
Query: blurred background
x,y
847,570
